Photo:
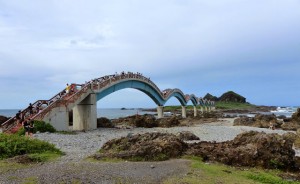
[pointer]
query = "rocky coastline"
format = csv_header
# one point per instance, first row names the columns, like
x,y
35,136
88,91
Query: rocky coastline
x,y
210,136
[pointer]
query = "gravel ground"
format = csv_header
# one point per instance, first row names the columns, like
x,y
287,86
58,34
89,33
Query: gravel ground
x,y
73,168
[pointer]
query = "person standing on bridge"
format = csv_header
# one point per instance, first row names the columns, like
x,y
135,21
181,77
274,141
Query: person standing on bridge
x,y
67,89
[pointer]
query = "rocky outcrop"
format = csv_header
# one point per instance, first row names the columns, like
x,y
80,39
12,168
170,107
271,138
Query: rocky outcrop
x,y
146,147
104,123
187,136
292,123
260,120
252,149
210,97
231,96
3,119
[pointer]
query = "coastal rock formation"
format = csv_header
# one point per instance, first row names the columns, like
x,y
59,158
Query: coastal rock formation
x,y
169,122
210,97
104,123
260,120
231,96
297,141
3,119
187,136
292,123
147,147
250,149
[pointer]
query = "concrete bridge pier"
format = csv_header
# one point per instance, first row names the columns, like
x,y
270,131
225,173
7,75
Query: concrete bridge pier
x,y
59,118
85,114
209,109
183,111
195,111
202,109
160,111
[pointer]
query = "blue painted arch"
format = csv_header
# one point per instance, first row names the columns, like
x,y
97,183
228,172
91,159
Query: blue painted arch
x,y
147,89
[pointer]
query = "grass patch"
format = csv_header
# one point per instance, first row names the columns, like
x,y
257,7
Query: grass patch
x,y
44,157
233,105
217,173
14,145
10,166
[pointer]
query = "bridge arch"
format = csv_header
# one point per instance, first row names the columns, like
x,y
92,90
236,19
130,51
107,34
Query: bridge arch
x,y
134,84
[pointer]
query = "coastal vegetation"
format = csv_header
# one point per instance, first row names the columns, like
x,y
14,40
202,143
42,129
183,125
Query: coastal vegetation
x,y
39,126
202,172
218,105
37,150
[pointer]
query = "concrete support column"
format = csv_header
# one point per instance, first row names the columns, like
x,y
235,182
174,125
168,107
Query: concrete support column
x,y
209,109
183,111
195,111
85,114
202,109
160,111
59,118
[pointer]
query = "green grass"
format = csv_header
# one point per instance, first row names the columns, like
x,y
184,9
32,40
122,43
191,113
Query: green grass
x,y
217,173
10,166
233,105
177,107
44,157
14,145
219,105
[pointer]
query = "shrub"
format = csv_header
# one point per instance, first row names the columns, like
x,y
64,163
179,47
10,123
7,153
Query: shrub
x,y
40,126
13,145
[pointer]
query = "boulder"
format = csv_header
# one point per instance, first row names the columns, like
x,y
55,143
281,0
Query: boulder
x,y
187,136
296,116
146,147
104,123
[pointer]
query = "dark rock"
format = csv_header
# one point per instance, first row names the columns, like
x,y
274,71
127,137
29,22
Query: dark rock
x,y
3,119
252,149
147,147
231,96
260,120
104,123
187,136
296,116
281,117
169,122
210,97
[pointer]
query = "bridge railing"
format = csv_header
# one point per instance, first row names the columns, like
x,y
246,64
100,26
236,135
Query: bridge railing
x,y
38,107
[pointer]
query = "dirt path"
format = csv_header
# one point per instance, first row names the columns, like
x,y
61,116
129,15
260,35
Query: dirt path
x,y
98,172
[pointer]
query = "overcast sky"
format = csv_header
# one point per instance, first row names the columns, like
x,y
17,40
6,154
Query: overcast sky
x,y
251,47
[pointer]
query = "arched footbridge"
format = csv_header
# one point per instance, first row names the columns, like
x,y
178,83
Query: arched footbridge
x,y
82,101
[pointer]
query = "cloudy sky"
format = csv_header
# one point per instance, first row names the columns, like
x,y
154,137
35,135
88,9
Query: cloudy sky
x,y
249,46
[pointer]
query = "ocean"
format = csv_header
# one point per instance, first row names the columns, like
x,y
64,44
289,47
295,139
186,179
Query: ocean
x,y
111,113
